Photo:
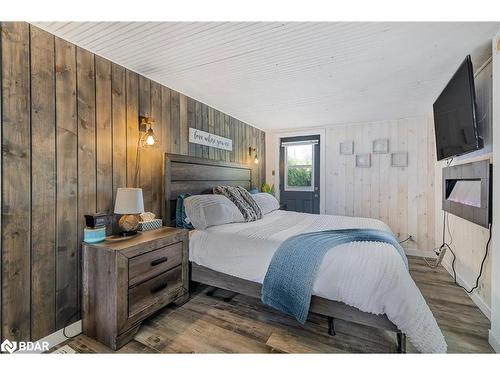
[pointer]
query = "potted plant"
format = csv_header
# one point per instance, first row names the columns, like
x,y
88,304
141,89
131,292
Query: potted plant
x,y
266,188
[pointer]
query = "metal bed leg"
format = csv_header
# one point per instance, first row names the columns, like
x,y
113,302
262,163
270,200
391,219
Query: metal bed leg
x,y
401,342
331,327
210,292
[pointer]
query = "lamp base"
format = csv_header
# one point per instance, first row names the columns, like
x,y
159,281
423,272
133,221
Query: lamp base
x,y
129,223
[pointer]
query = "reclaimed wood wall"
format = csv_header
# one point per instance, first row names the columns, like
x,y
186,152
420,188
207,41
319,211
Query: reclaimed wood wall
x,y
69,139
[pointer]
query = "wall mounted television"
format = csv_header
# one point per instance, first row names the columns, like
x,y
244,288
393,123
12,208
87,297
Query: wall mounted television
x,y
455,121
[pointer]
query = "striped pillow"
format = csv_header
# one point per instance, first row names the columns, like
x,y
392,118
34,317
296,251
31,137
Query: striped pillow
x,y
208,210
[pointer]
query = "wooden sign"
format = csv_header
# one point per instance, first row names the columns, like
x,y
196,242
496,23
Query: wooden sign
x,y
207,139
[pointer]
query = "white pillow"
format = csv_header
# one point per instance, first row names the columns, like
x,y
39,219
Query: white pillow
x,y
266,202
207,210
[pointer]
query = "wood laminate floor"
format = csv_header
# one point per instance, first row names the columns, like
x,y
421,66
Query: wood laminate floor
x,y
231,323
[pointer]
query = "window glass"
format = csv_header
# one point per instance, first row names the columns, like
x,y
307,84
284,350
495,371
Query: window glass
x,y
299,167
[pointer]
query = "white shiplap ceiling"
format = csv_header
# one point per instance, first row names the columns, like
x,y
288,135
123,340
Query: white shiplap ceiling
x,y
289,75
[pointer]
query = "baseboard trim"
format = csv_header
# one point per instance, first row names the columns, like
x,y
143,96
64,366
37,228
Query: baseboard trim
x,y
474,296
58,337
494,341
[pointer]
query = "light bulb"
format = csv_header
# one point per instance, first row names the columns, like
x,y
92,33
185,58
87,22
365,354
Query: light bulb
x,y
150,140
256,161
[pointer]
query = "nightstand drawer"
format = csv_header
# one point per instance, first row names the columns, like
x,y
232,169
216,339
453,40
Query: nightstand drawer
x,y
145,266
155,291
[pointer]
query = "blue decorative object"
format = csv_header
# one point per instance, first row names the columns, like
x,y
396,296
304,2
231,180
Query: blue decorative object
x,y
180,213
93,235
293,269
254,191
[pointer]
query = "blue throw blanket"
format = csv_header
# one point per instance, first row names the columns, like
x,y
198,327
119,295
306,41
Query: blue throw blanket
x,y
293,269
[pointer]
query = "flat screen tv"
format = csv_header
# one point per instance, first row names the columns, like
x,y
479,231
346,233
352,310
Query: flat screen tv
x,y
455,115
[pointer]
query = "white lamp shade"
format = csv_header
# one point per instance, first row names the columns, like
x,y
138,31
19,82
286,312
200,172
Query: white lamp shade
x,y
129,201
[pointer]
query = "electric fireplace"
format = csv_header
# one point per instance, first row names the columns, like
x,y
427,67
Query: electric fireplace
x,y
467,191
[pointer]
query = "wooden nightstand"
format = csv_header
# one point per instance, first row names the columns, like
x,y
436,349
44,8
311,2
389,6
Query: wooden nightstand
x,y
125,281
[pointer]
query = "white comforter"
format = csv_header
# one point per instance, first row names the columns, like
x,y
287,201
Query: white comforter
x,y
370,276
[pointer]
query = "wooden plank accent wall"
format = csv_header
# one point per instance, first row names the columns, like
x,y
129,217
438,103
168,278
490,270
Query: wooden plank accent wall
x,y
119,127
16,181
43,183
132,110
67,182
104,135
156,164
69,139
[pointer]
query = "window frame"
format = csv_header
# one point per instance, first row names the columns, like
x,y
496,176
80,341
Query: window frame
x,y
285,165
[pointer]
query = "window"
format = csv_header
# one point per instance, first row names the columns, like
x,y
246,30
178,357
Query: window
x,y
299,167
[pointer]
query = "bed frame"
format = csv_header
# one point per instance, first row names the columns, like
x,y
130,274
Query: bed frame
x,y
186,174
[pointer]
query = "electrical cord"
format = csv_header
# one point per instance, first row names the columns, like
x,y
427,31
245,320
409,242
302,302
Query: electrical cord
x,y
445,245
137,162
438,249
484,117
67,323
408,238
476,285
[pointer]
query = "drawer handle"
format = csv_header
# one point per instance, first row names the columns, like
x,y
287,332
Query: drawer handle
x,y
159,261
157,288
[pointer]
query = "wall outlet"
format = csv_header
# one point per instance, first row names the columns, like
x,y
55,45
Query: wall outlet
x,y
408,238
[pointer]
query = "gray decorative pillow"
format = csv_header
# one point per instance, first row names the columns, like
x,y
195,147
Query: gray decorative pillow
x,y
242,199
207,210
266,202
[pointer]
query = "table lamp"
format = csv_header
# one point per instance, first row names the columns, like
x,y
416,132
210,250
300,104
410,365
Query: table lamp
x,y
129,203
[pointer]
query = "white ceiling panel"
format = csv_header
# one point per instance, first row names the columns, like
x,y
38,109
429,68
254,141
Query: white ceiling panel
x,y
277,75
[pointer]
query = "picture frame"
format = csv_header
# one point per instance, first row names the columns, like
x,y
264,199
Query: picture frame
x,y
399,159
363,161
347,148
380,146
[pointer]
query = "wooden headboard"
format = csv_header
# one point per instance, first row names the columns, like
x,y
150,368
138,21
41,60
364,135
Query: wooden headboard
x,y
188,174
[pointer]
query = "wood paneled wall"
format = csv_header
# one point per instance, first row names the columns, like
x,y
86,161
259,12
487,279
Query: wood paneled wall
x,y
403,198
69,140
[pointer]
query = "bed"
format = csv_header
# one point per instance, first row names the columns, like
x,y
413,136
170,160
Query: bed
x,y
361,282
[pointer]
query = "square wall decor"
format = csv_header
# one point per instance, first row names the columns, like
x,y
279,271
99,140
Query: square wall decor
x,y
399,159
347,148
363,160
380,146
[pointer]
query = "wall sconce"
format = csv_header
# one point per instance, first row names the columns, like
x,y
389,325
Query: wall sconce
x,y
148,139
250,151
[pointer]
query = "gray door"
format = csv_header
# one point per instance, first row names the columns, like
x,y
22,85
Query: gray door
x,y
299,173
